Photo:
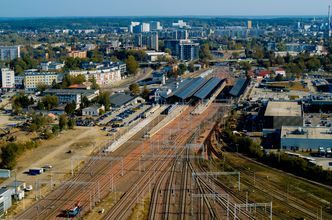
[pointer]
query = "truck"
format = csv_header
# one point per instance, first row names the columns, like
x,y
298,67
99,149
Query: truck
x,y
36,171
73,212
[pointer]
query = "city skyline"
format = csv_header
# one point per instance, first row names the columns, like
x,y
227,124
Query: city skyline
x,y
38,8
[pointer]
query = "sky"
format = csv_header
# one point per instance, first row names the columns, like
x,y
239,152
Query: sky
x,y
56,8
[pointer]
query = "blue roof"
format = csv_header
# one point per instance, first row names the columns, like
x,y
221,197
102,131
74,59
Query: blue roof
x,y
239,87
190,88
203,92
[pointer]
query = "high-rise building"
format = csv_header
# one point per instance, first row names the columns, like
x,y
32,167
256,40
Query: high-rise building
x,y
145,27
249,24
138,40
183,49
155,26
9,52
132,25
148,40
188,50
154,44
7,78
182,34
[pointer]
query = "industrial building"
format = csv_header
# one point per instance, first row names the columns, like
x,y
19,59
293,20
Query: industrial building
x,y
5,200
278,114
298,138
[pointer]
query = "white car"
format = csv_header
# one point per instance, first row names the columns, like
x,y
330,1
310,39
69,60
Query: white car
x,y
28,188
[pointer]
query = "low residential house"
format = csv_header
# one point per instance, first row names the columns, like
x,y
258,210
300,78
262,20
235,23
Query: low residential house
x,y
93,110
280,71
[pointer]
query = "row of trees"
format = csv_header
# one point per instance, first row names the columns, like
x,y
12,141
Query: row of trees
x,y
297,166
135,90
11,151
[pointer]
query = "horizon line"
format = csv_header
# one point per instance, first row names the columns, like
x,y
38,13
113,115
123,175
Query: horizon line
x,y
165,16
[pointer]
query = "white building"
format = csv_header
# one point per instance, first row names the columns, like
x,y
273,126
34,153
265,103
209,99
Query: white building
x,y
132,25
154,41
145,27
180,24
153,55
105,76
298,138
93,110
281,72
7,78
9,52
51,66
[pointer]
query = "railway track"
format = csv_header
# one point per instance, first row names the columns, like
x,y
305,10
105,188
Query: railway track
x,y
71,193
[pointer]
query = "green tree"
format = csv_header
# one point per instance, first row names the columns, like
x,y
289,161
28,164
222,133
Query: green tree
x,y
132,65
167,50
94,83
71,123
145,93
41,87
21,101
279,78
50,101
70,108
63,121
246,66
104,99
191,67
204,53
134,89
181,69
114,59
8,155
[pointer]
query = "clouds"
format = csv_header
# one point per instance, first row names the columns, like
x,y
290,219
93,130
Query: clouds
x,y
42,8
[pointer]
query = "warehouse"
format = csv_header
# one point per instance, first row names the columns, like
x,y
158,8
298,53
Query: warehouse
x,y
302,138
278,114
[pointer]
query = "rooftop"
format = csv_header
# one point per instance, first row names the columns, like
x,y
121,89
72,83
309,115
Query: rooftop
x,y
306,132
211,84
283,109
120,99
